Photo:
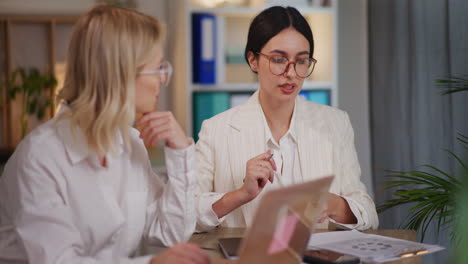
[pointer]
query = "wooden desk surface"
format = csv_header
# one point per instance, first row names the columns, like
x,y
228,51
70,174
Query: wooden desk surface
x,y
209,241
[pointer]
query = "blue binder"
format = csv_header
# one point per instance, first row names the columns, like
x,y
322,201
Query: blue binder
x,y
204,48
317,96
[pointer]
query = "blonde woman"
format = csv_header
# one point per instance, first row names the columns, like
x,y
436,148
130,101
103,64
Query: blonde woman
x,y
80,188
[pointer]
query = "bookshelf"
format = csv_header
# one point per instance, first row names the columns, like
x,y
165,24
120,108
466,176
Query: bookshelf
x,y
232,75
26,41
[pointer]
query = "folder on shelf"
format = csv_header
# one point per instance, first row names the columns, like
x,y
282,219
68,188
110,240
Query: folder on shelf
x,y
317,96
235,55
204,48
207,105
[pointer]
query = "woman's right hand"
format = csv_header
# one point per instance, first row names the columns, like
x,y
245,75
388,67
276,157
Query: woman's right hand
x,y
158,126
258,172
183,253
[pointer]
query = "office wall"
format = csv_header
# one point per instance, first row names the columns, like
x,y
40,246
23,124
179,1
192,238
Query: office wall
x,y
74,7
353,79
71,7
44,7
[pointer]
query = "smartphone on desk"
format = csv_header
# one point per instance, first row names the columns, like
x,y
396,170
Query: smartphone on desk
x,y
230,247
322,256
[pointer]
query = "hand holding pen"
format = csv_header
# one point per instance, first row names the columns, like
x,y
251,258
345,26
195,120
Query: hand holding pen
x,y
259,171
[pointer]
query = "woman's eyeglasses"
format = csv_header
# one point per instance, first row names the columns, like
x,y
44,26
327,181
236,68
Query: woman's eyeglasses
x,y
164,71
279,65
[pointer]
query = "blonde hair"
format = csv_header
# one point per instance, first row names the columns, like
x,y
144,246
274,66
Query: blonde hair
x,y
109,45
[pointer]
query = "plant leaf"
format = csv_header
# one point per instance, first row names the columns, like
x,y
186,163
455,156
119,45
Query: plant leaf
x,y
458,159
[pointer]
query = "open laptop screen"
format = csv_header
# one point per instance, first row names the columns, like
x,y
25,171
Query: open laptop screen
x,y
283,223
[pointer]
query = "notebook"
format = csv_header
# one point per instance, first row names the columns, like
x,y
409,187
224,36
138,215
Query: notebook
x,y
282,225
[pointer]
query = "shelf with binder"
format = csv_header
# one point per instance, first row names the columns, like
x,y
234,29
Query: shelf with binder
x,y
207,104
227,43
251,87
253,11
233,76
204,48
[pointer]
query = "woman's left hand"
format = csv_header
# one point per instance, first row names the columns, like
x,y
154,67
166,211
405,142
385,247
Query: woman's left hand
x,y
159,126
337,208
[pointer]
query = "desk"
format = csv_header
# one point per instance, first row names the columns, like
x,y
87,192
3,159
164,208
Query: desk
x,y
209,241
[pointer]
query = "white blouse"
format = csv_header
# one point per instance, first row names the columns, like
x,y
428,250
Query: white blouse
x,y
285,154
58,205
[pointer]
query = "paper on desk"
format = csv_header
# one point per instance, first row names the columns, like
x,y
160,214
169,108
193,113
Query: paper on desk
x,y
368,247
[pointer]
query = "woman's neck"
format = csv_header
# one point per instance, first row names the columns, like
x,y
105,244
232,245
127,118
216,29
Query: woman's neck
x,y
278,115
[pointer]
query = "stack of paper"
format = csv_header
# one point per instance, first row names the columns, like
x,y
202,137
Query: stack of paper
x,y
368,247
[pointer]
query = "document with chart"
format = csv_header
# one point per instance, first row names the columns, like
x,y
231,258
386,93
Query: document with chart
x,y
369,247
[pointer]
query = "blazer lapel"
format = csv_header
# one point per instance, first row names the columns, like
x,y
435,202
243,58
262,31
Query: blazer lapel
x,y
247,140
244,142
315,148
304,149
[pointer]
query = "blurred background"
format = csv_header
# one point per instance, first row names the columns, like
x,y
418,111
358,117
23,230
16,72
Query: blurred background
x,y
379,60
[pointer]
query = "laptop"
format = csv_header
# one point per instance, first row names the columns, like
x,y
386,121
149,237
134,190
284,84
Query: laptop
x,y
282,225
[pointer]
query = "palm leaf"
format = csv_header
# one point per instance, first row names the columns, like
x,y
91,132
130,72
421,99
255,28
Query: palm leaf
x,y
463,139
420,178
415,177
453,85
462,164
430,194
461,231
438,178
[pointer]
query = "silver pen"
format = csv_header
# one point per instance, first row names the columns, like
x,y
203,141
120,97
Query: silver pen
x,y
267,159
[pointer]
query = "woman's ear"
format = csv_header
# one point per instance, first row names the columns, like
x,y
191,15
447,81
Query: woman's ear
x,y
253,62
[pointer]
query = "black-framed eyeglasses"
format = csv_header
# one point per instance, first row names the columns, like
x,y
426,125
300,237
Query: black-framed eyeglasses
x,y
164,71
279,65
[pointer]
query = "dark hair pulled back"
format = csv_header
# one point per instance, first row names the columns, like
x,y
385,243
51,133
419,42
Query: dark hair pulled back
x,y
272,21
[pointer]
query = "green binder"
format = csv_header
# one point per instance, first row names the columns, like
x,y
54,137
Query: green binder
x,y
207,104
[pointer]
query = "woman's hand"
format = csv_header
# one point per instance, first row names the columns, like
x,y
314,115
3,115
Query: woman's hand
x,y
159,126
184,253
258,172
337,208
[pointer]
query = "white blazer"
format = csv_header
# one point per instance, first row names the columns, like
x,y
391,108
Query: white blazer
x,y
58,205
326,146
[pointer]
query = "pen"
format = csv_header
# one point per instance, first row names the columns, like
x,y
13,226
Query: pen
x,y
414,252
275,173
269,157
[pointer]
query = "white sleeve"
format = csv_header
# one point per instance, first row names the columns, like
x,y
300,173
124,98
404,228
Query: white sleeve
x,y
171,215
352,189
43,220
206,217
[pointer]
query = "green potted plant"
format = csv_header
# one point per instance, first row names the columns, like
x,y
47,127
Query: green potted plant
x,y
35,90
434,194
